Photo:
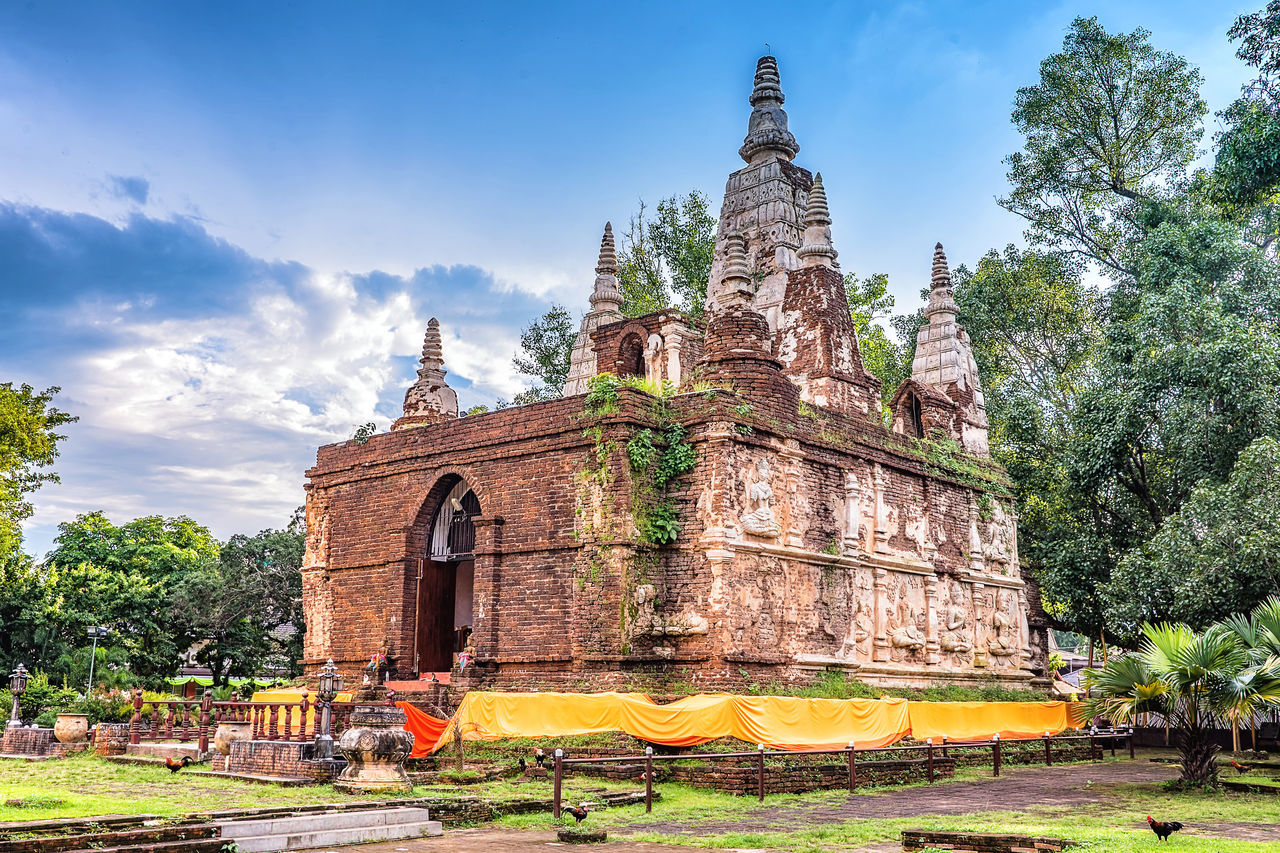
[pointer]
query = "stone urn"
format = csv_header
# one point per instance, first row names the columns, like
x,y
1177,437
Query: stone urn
x,y
375,746
71,728
230,731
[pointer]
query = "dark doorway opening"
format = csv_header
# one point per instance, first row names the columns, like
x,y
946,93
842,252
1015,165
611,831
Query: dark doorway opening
x,y
631,356
915,415
446,582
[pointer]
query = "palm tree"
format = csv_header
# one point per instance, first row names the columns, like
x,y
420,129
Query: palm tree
x,y
1257,686
1187,675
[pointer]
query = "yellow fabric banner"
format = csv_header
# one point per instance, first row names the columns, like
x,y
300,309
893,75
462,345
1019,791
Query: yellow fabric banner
x,y
292,696
981,720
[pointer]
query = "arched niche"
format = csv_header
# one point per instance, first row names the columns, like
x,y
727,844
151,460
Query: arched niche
x,y
444,610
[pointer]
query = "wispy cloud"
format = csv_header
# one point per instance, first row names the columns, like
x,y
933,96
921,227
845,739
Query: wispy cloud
x,y
205,378
131,188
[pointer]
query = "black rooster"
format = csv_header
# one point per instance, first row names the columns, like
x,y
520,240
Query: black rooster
x,y
579,813
1163,830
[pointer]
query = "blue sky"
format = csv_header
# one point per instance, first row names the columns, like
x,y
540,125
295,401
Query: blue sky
x,y
223,226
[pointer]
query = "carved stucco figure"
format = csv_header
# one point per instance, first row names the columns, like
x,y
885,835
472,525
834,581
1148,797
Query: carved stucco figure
x,y
760,519
1004,637
956,636
906,632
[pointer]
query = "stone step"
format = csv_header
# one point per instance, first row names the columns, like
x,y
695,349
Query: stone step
x,y
310,823
326,838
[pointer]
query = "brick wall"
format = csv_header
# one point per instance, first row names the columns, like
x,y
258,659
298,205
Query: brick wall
x,y
985,842
111,738
273,758
27,741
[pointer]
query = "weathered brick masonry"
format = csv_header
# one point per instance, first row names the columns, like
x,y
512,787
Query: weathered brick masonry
x,y
811,538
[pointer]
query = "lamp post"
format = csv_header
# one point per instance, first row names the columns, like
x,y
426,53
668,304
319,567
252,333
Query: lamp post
x,y
17,685
329,687
96,632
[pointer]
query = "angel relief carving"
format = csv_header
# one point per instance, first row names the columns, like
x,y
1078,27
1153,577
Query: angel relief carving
x,y
1004,636
956,637
760,519
906,624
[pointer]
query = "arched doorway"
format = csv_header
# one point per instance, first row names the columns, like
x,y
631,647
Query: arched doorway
x,y
631,356
446,583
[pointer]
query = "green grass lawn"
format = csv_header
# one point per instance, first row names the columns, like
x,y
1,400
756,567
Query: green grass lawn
x,y
85,785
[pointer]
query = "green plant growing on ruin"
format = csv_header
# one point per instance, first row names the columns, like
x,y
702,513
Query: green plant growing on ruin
x,y
833,547
808,411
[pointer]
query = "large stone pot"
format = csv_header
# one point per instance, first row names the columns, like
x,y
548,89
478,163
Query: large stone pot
x,y
71,728
230,731
375,746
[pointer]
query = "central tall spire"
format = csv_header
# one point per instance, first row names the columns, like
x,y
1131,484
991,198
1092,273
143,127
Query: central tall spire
x,y
767,132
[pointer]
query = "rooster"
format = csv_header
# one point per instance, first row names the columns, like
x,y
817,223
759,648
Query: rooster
x,y
1241,768
174,765
524,765
539,756
579,813
1163,830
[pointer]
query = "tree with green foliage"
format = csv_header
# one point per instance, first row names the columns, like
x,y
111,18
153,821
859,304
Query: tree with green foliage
x,y
665,260
28,444
870,302
246,606
1112,123
125,577
1197,679
545,347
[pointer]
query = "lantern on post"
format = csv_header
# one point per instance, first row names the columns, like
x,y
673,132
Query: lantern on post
x,y
330,684
17,686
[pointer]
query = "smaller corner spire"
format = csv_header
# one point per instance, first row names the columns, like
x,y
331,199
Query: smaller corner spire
x,y
817,249
941,298
605,296
429,399
767,128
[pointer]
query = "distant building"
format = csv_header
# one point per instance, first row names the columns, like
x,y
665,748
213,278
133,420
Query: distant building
x,y
811,537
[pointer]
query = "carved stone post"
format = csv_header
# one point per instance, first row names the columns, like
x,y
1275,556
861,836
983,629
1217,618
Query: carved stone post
x,y
852,514
881,523
1024,631
931,645
880,645
979,626
674,343
977,562
791,477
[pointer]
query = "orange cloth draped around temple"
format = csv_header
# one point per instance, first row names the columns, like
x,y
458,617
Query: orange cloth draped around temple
x,y
981,720
781,722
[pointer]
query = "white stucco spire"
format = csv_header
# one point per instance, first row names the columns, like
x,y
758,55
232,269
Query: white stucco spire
x,y
767,133
606,307
734,289
817,249
942,302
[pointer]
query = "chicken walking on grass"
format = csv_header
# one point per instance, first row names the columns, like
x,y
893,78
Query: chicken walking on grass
x,y
1241,768
1162,829
174,765
579,813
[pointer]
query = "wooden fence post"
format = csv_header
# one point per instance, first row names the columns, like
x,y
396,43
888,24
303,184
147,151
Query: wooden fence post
x,y
853,767
648,779
1048,754
995,755
944,746
929,759
555,790
760,770
1131,756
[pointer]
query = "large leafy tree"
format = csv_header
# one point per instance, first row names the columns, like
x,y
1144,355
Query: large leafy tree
x,y
870,303
1112,123
125,577
247,605
28,445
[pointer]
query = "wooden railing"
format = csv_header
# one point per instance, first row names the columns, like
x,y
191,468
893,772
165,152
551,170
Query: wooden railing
x,y
185,720
1095,738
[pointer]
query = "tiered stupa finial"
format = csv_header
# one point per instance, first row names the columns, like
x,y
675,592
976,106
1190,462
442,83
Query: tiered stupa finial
x,y
767,130
429,398
817,249
941,298
606,297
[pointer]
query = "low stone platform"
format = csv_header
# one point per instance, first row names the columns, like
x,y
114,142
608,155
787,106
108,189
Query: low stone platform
x,y
168,749
982,842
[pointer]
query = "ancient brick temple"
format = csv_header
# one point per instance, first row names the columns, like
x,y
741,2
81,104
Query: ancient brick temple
x,y
537,546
